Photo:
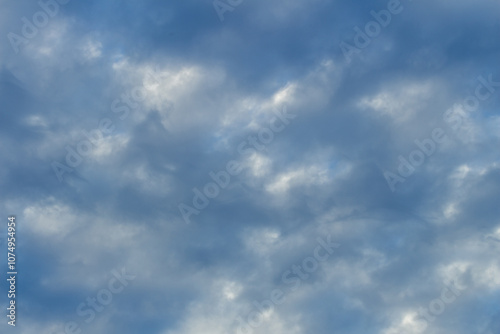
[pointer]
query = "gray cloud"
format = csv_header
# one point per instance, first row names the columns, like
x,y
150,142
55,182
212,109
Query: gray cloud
x,y
215,84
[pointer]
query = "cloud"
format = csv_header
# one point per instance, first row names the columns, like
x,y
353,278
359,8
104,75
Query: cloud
x,y
181,92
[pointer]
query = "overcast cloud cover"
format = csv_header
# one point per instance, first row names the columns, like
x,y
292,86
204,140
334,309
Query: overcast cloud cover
x,y
370,162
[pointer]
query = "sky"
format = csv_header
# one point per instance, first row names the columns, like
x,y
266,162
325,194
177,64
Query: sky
x,y
238,167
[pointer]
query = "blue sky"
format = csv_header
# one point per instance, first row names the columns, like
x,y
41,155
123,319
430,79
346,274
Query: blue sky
x,y
230,167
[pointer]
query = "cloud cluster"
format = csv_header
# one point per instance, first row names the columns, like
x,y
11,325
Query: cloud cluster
x,y
113,112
